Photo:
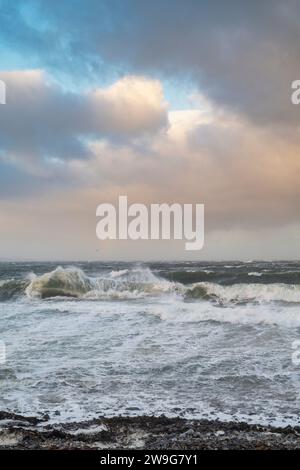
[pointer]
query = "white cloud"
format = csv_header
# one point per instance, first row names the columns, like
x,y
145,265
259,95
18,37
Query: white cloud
x,y
132,104
247,176
41,124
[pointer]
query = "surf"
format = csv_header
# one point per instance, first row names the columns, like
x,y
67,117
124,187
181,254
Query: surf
x,y
73,282
136,282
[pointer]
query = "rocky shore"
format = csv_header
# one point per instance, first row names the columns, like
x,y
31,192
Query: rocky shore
x,y
144,432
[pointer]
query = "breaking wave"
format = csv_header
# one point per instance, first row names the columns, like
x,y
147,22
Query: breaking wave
x,y
137,283
244,293
12,288
73,282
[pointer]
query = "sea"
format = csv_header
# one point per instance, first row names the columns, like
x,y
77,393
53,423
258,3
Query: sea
x,y
213,340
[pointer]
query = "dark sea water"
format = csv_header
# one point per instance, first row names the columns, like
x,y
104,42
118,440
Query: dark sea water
x,y
189,339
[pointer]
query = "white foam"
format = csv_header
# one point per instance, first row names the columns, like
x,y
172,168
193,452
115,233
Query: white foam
x,y
242,314
123,284
261,293
119,273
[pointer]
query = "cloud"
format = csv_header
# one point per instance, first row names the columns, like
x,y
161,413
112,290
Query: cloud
x,y
64,153
242,56
247,176
138,97
42,126
237,150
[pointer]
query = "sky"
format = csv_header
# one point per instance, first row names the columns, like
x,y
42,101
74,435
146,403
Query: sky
x,y
162,101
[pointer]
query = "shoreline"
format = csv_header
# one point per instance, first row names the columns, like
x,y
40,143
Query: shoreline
x,y
142,432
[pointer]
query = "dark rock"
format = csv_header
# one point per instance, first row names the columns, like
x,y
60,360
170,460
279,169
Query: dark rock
x,y
146,432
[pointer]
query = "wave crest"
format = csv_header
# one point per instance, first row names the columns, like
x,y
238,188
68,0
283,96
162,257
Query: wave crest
x,y
142,282
73,282
12,288
244,293
66,282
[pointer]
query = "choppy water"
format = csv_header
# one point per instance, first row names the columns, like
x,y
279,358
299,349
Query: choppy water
x,y
189,339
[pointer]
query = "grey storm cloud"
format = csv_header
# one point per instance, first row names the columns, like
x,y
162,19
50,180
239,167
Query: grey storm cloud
x,y
240,157
242,55
41,122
